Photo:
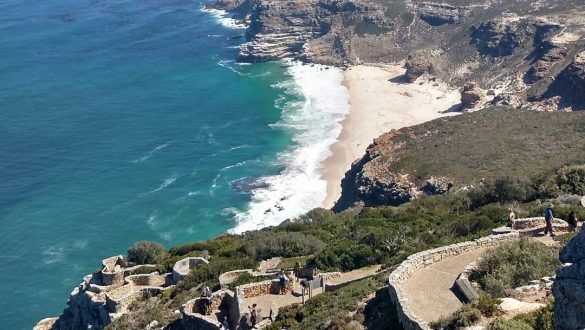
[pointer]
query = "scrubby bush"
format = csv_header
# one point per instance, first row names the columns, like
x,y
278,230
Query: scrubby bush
x,y
514,264
540,319
502,324
264,245
501,190
145,252
345,256
487,305
571,179
464,317
225,246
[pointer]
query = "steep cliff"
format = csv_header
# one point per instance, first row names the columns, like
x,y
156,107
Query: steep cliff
x,y
514,46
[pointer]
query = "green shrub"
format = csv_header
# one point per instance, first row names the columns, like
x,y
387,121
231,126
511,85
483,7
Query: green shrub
x,y
502,324
145,252
501,190
540,319
487,305
464,317
571,179
265,245
514,264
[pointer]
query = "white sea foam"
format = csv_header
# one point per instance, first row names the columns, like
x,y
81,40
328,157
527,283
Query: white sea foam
x,y
168,181
149,154
223,18
232,66
315,124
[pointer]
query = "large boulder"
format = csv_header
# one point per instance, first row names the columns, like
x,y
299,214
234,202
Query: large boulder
x,y
569,286
471,96
415,67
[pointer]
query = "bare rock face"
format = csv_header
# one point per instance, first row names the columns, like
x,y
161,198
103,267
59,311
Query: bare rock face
x,y
509,100
436,14
570,84
497,37
415,67
569,286
471,95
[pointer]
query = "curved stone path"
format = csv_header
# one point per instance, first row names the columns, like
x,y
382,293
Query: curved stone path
x,y
430,290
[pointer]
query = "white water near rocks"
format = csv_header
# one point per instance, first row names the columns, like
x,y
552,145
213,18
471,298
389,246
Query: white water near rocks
x,y
315,124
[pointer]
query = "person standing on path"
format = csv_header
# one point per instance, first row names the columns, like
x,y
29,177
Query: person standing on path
x,y
548,217
297,270
282,279
572,220
511,218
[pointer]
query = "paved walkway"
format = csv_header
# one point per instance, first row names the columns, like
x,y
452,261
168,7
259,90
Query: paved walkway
x,y
430,290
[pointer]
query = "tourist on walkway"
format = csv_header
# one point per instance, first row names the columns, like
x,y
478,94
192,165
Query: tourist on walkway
x,y
297,270
548,217
511,218
253,314
205,303
282,281
572,220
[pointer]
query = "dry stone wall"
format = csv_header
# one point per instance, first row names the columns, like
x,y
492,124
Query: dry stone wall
x,y
425,258
184,266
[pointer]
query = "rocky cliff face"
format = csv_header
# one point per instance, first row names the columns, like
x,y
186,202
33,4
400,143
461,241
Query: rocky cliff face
x,y
517,48
569,286
372,182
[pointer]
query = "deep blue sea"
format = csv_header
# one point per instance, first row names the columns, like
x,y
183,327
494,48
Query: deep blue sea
x,y
126,120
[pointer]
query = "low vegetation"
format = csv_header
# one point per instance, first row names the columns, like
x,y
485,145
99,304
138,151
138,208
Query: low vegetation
x,y
514,264
512,142
469,314
144,252
368,236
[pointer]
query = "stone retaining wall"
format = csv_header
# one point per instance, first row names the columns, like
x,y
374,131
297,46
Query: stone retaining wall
x,y
184,266
536,222
229,277
425,258
192,318
152,279
262,288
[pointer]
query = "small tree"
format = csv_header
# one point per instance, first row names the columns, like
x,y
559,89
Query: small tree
x,y
145,252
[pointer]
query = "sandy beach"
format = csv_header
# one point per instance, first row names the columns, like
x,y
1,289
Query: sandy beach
x,y
379,102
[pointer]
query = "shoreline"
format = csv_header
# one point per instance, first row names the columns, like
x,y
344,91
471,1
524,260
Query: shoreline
x,y
378,103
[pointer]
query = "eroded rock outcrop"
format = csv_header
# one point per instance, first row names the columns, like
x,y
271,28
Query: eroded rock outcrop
x,y
370,181
471,96
416,66
569,286
570,84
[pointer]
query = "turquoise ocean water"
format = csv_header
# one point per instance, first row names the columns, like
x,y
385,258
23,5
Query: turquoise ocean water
x,y
129,120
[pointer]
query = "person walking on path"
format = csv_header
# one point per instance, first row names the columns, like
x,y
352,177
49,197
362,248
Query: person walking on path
x,y
548,217
297,270
572,220
282,279
253,314
511,218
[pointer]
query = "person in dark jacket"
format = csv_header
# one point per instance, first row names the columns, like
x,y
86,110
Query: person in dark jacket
x,y
572,220
548,217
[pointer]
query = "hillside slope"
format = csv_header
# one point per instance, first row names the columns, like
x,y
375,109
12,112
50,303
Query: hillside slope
x,y
453,152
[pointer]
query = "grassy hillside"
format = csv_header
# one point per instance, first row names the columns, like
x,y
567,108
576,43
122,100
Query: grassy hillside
x,y
491,144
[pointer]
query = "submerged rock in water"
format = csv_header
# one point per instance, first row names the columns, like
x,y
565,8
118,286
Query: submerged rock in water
x,y
248,184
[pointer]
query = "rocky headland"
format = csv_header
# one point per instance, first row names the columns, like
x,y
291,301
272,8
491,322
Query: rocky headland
x,y
525,53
